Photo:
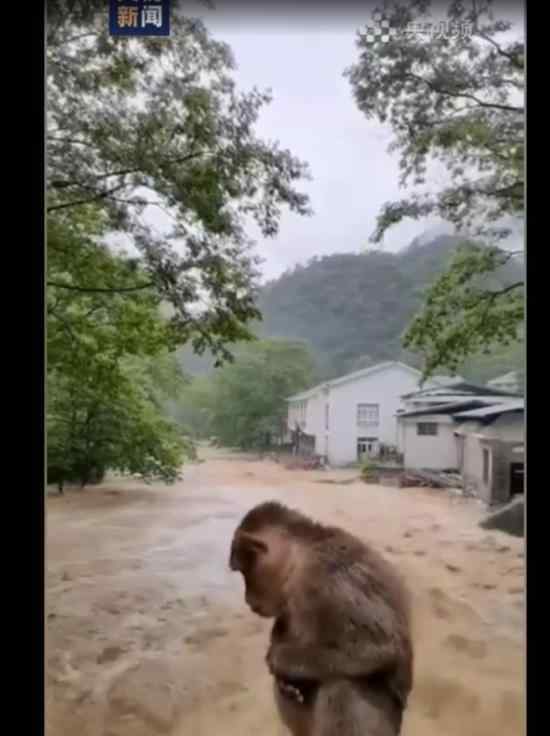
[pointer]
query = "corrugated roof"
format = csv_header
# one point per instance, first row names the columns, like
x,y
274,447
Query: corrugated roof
x,y
506,378
459,388
450,408
458,396
493,410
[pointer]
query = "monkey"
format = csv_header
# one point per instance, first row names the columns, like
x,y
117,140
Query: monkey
x,y
340,645
347,707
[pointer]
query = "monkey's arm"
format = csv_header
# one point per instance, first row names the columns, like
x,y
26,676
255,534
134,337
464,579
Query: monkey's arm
x,y
344,633
318,662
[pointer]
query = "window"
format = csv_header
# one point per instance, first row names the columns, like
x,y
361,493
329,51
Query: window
x,y
367,414
486,466
426,429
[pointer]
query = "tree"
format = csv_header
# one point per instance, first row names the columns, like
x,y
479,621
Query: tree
x,y
108,371
247,399
115,322
158,123
457,99
463,316
100,417
499,361
190,409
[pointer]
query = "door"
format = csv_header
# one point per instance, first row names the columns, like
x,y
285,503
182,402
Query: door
x,y
368,446
516,479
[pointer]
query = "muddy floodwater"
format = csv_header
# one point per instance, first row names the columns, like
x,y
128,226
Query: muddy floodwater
x,y
147,632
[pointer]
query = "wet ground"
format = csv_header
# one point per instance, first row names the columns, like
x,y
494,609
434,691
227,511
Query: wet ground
x,y
147,632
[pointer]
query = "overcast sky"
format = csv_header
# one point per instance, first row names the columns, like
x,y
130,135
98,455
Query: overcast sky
x,y
301,56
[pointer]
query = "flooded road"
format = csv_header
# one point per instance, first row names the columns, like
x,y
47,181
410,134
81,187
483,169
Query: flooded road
x,y
147,632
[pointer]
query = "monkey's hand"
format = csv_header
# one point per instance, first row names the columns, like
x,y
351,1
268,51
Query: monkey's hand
x,y
290,691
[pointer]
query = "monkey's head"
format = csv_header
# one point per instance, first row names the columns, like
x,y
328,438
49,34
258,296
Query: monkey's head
x,y
263,550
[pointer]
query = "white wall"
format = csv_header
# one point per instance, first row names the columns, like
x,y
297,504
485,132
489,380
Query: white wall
x,y
385,388
435,452
311,419
315,418
472,465
508,427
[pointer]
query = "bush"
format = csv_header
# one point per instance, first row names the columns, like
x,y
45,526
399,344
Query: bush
x,y
368,471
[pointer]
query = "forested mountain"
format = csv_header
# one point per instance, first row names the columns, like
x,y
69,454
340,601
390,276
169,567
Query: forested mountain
x,y
351,309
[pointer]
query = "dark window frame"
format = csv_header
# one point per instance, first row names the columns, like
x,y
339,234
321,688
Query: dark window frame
x,y
425,432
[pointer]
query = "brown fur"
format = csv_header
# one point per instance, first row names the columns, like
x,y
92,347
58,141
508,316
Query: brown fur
x,y
342,621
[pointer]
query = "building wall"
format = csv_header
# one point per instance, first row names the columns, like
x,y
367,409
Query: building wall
x,y
297,413
498,438
437,452
309,414
384,388
472,465
499,482
315,421
401,435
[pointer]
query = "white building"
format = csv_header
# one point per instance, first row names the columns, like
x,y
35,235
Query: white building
x,y
355,414
426,423
475,430
490,443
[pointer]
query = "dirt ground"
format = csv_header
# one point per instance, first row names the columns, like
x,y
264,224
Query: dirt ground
x,y
147,632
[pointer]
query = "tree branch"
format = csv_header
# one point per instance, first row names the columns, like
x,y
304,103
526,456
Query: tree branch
x,y
100,290
511,57
492,295
123,172
77,38
77,202
463,95
74,141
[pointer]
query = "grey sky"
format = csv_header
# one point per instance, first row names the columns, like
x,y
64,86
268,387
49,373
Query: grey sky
x,y
301,57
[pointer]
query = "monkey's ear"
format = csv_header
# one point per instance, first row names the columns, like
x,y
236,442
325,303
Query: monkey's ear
x,y
245,550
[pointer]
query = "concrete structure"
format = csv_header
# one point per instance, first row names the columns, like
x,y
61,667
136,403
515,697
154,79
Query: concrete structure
x,y
473,430
426,440
426,425
354,414
509,518
490,444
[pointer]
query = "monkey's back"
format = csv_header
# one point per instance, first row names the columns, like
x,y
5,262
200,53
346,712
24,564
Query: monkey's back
x,y
350,576
343,555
